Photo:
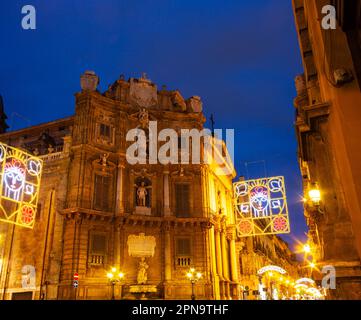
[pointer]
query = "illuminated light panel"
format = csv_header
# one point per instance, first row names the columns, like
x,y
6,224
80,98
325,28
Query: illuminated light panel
x,y
270,269
261,207
20,175
305,280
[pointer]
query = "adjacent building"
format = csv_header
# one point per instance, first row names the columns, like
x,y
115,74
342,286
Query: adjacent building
x,y
328,126
258,252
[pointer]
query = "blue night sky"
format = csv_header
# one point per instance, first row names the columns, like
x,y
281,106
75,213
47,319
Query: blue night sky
x,y
240,56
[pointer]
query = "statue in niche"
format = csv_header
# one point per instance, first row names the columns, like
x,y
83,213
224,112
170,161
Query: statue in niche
x,y
142,277
104,159
143,192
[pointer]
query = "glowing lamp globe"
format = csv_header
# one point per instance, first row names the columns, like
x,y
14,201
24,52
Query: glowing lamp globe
x,y
315,195
307,248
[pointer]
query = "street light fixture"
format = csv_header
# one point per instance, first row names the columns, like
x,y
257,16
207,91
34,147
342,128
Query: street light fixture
x,y
193,276
315,194
307,248
114,278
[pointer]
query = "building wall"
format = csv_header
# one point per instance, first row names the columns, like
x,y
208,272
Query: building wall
x,y
328,124
75,154
258,252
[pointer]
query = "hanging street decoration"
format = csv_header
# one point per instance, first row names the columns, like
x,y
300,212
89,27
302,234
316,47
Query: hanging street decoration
x,y
20,175
261,207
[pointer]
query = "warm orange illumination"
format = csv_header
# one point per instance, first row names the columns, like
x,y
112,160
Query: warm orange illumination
x,y
315,194
307,248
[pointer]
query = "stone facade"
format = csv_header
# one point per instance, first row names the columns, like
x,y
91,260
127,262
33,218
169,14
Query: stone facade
x,y
328,126
88,206
255,253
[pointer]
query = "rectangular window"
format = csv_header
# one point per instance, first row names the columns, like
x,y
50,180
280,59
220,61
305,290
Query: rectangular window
x,y
182,206
102,192
183,247
28,295
105,130
98,249
183,252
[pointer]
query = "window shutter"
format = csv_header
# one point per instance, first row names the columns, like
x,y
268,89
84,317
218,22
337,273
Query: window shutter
x,y
98,244
105,130
182,200
183,247
101,192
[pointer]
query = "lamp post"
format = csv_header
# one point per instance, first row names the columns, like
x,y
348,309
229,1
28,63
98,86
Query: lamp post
x,y
114,276
193,276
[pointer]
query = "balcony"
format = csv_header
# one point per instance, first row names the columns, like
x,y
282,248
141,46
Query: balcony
x,y
96,260
53,155
183,261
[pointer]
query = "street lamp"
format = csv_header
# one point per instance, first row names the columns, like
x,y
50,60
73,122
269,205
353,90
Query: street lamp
x,y
115,277
307,248
193,276
315,194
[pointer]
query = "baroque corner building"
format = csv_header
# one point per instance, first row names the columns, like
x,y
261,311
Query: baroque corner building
x,y
92,204
328,126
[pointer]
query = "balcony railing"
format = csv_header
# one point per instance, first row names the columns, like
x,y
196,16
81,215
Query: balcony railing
x,y
185,261
96,260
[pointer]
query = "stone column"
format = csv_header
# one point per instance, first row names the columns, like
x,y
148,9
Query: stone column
x,y
225,263
117,247
168,294
167,211
167,254
224,255
120,197
215,279
233,256
218,252
231,235
67,143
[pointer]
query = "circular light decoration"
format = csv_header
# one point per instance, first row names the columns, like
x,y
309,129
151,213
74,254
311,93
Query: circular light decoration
x,y
280,224
245,227
271,268
27,214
